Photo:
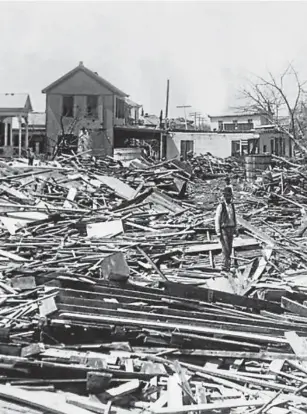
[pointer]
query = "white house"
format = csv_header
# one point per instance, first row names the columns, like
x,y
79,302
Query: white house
x,y
238,122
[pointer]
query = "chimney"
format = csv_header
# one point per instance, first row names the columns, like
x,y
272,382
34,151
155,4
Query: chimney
x,y
81,63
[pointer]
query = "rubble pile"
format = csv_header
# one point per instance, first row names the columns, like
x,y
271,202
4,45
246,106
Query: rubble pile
x,y
112,299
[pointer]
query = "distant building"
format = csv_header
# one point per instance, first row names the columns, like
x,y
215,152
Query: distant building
x,y
132,112
14,106
223,145
238,122
36,131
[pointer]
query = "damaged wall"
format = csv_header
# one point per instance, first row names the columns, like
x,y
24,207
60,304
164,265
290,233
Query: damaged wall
x,y
100,128
218,145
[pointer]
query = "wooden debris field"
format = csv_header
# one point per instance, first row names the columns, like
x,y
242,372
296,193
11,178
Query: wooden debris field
x,y
111,298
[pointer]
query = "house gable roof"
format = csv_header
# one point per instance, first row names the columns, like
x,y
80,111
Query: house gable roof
x,y
90,73
19,102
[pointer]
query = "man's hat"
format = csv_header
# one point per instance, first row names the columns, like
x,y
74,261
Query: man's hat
x,y
227,191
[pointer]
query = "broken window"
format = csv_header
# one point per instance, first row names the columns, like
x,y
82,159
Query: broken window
x,y
68,106
120,109
92,106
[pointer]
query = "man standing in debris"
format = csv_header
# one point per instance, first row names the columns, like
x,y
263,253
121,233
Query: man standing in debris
x,y
30,156
226,226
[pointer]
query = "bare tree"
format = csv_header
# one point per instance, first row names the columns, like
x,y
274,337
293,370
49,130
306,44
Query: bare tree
x,y
271,97
64,139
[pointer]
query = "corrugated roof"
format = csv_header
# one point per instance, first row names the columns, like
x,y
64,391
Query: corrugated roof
x,y
90,73
15,101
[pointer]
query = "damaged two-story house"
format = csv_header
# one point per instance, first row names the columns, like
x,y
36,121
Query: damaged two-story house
x,y
84,108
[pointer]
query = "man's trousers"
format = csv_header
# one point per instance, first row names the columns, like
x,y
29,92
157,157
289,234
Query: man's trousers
x,y
227,235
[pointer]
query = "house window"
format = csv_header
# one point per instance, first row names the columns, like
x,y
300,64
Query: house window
x,y
68,106
120,109
272,146
92,106
264,149
250,124
235,148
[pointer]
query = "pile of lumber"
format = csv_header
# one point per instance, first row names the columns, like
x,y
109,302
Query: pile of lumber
x,y
112,300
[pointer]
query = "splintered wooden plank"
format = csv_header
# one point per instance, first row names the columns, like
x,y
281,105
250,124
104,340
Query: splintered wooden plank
x,y
160,403
200,394
129,365
70,197
298,344
105,229
260,269
260,234
43,401
12,256
168,325
32,349
86,403
15,193
47,306
276,366
210,295
174,392
165,201
293,306
211,247
183,380
24,283
123,389
223,405
121,189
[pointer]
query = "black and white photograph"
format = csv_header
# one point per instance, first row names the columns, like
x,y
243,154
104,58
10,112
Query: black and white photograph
x,y
153,207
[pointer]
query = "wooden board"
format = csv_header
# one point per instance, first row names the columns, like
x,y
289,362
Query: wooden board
x,y
260,234
44,401
121,189
212,406
294,307
210,247
105,229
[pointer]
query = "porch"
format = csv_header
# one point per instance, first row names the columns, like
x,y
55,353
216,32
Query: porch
x,y
14,106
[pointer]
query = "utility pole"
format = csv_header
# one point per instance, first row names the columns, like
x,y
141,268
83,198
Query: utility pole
x,y
195,114
167,100
185,115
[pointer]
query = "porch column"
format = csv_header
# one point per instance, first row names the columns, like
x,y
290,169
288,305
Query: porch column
x,y
20,136
161,146
5,133
27,134
11,133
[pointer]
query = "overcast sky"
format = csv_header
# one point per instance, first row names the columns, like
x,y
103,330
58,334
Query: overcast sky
x,y
205,49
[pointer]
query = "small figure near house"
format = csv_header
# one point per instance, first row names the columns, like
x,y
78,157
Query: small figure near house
x,y
226,227
31,156
228,185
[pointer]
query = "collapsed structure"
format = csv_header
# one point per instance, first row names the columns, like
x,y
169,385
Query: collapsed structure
x,y
112,299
